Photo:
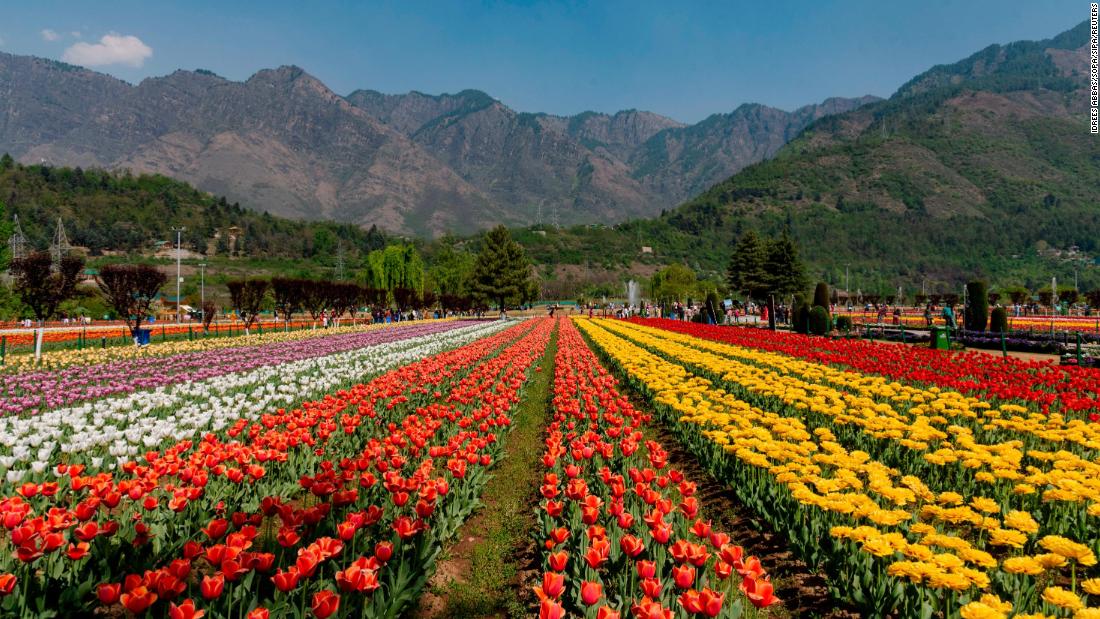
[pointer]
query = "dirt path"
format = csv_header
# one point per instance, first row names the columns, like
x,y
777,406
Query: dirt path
x,y
483,574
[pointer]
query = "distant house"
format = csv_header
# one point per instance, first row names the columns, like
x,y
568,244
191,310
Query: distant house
x,y
646,249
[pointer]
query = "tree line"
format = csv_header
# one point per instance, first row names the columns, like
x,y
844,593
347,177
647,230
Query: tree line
x,y
498,275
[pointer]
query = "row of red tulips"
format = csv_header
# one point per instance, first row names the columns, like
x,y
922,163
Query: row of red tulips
x,y
1044,385
622,529
346,496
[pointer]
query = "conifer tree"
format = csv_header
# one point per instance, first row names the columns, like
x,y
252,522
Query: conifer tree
x,y
501,270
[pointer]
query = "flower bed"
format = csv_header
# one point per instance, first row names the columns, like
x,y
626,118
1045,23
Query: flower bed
x,y
861,488
113,431
335,508
623,531
38,390
52,360
1044,385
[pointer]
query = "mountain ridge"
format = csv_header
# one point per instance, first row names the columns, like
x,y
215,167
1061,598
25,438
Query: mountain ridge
x,y
281,141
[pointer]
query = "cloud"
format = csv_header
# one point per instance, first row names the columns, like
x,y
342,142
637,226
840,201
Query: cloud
x,y
113,48
50,35
75,34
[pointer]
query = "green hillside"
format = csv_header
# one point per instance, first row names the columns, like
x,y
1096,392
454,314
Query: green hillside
x,y
980,168
120,212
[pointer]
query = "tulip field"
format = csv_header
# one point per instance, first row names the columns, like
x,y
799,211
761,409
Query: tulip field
x,y
917,498
326,473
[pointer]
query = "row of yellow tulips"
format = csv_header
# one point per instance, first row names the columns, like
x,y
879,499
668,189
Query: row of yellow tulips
x,y
936,425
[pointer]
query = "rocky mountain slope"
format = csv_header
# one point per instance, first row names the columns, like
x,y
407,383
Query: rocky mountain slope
x,y
283,143
588,168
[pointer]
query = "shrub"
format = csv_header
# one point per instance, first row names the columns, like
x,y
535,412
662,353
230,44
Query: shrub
x,y
844,323
998,322
821,295
977,307
819,320
800,315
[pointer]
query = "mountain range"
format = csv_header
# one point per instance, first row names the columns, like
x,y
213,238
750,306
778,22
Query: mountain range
x,y
983,167
284,143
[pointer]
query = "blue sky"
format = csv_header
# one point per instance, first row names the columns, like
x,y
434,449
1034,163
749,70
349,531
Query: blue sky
x,y
679,58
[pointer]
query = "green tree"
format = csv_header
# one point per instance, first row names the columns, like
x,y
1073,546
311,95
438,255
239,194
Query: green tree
x,y
746,273
450,271
396,266
501,270
673,283
977,306
786,275
324,243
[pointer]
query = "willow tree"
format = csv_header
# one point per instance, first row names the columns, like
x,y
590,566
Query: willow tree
x,y
396,266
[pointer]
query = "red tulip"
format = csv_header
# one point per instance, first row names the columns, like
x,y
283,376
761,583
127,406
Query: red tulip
x,y
750,568
86,532
553,585
648,609
108,593
287,537
78,551
690,601
683,576
406,527
646,569
325,603
346,530
632,546
7,584
383,551
591,592
212,586
759,591
701,529
549,609
711,601
259,613
185,610
732,554
138,599
216,528
554,508
606,612
557,560
661,533
307,561
285,581
652,588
